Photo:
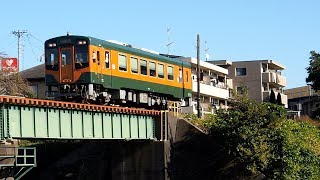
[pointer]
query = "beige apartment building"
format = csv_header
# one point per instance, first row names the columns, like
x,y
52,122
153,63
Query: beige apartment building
x,y
259,76
214,87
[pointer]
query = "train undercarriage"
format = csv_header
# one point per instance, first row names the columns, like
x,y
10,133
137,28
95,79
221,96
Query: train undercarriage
x,y
97,94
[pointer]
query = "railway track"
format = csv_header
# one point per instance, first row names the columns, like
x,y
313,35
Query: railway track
x,y
78,106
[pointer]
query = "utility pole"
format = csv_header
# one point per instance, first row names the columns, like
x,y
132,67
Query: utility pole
x,y
19,34
198,75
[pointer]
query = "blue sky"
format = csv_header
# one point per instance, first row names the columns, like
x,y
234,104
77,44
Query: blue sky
x,y
285,31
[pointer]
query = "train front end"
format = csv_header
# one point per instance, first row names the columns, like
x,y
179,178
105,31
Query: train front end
x,y
66,59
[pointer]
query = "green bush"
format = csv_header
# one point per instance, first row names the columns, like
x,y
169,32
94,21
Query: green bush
x,y
265,140
296,150
315,114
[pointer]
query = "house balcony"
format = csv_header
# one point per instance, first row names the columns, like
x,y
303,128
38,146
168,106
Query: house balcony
x,y
218,90
284,98
205,108
274,79
230,83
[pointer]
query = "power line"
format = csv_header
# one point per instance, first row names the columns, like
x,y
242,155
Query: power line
x,y
35,38
4,41
33,43
32,49
11,43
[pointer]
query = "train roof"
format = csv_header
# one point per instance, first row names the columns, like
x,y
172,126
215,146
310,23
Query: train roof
x,y
126,49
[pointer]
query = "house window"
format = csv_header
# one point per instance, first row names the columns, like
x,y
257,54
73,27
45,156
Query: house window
x,y
215,102
170,73
241,71
34,90
241,90
143,67
122,62
134,64
152,68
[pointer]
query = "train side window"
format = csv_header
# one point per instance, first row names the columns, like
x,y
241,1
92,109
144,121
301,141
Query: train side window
x,y
152,69
134,64
94,57
98,57
187,74
143,67
122,59
160,71
180,75
170,72
107,59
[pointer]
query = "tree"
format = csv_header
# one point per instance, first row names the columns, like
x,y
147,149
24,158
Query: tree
x,y
261,136
265,140
279,100
313,71
272,98
14,85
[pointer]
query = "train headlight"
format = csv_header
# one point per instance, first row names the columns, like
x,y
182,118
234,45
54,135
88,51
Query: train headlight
x,y
82,42
52,44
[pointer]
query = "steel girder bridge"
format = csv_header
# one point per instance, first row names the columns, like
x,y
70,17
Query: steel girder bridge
x,y
24,118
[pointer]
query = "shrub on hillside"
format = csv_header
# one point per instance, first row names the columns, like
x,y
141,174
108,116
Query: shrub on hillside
x,y
266,141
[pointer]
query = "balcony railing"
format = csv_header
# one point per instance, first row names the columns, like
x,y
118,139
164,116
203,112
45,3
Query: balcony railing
x,y
218,91
205,108
274,78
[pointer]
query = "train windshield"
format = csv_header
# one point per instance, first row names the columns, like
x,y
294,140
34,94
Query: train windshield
x,y
81,57
51,59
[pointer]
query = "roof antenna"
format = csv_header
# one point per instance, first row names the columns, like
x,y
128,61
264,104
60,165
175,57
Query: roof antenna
x,y
206,50
169,42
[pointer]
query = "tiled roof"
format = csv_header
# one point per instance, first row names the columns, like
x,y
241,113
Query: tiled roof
x,y
36,72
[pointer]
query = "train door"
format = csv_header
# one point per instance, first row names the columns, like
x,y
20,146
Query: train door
x,y
66,65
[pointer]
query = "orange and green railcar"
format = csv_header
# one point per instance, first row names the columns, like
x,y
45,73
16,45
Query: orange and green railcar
x,y
89,69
